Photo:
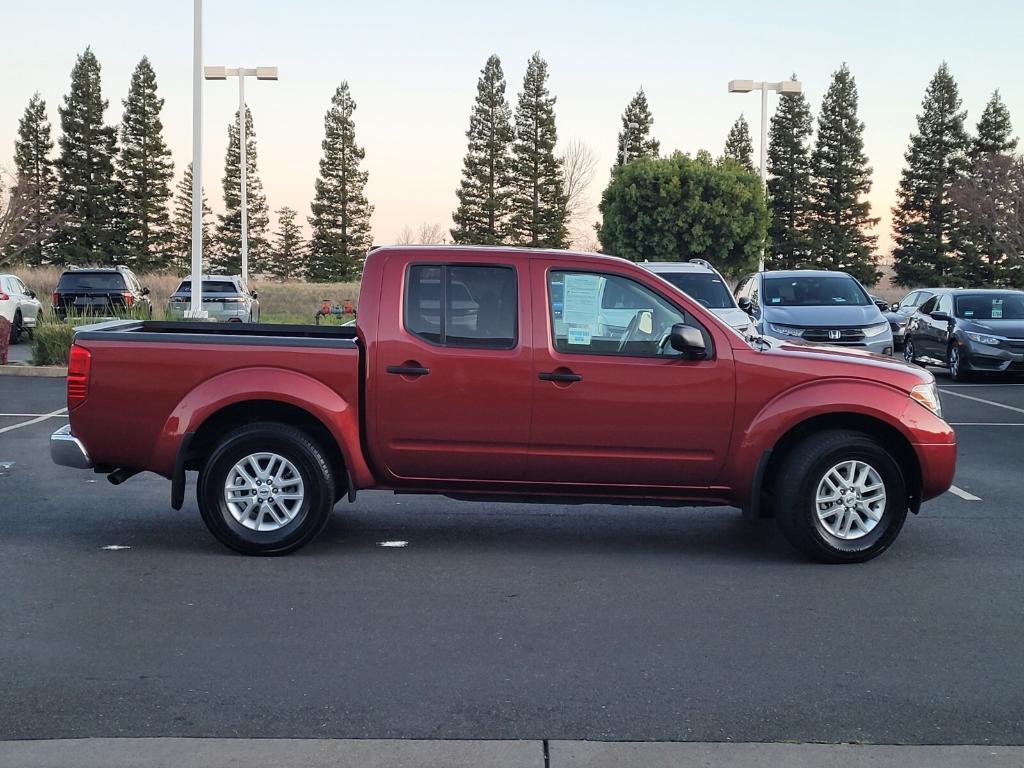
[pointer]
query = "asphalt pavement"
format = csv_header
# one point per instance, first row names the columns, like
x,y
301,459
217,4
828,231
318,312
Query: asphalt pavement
x,y
123,618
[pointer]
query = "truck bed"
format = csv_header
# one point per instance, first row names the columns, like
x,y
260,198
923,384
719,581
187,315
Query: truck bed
x,y
217,333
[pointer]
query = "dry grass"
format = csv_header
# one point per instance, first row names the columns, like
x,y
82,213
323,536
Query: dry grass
x,y
292,298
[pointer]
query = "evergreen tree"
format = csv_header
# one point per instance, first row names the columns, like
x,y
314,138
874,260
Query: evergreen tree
x,y
539,216
145,170
341,212
738,145
37,183
482,215
995,134
181,226
227,256
640,143
288,251
789,184
841,220
926,223
88,197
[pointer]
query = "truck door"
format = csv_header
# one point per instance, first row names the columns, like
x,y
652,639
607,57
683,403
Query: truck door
x,y
452,370
617,406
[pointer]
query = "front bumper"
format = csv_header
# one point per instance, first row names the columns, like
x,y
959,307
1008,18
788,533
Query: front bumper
x,y
67,450
987,358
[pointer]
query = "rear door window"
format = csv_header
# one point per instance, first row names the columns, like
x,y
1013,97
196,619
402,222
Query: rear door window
x,y
457,305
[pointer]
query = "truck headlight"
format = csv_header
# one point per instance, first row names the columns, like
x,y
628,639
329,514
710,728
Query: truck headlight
x,y
928,396
984,338
785,330
876,330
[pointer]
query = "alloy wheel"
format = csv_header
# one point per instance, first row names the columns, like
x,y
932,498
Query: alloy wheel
x,y
264,491
850,500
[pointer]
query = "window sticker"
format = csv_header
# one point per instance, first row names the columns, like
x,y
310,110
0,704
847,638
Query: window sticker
x,y
579,335
997,309
582,304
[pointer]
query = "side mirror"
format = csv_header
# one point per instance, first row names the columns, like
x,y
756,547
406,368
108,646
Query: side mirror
x,y
745,305
938,314
145,291
882,305
689,341
30,293
895,307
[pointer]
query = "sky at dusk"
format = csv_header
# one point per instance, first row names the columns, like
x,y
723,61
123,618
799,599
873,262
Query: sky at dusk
x,y
413,66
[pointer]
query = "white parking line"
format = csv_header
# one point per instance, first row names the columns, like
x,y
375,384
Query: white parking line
x,y
29,415
36,420
986,402
963,494
986,423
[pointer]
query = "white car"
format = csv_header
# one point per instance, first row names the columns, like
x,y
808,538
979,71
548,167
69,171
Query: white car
x,y
703,283
19,305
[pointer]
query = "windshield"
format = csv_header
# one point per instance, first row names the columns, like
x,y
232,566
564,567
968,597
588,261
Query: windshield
x,y
91,281
707,288
998,306
209,286
814,291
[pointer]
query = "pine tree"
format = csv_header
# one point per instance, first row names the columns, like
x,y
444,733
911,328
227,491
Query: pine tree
x,y
341,212
640,143
539,216
181,226
289,247
995,133
738,145
482,215
841,220
37,182
88,197
145,171
927,227
227,255
789,184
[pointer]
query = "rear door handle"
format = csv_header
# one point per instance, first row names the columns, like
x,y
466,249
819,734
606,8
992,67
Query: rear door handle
x,y
558,376
408,370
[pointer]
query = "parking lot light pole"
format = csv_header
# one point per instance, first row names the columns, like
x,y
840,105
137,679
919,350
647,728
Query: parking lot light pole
x,y
260,73
195,310
784,88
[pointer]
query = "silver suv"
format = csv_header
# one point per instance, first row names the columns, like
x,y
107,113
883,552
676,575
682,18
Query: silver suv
x,y
227,299
816,306
702,282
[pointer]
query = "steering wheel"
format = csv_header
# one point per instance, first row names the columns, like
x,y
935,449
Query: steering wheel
x,y
627,335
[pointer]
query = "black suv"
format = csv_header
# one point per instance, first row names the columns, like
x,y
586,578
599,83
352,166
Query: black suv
x,y
100,291
968,331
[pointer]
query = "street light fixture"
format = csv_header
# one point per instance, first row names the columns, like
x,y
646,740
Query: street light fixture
x,y
260,73
783,88
625,144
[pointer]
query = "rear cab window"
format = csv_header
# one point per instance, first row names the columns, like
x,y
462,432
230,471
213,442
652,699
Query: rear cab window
x,y
462,305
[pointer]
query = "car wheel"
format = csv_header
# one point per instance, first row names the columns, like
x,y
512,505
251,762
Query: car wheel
x,y
957,363
841,497
266,489
16,328
908,351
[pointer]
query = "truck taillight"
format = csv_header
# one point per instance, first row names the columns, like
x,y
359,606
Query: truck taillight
x,y
128,299
79,363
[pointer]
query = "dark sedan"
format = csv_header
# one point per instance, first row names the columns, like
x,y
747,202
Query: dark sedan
x,y
969,331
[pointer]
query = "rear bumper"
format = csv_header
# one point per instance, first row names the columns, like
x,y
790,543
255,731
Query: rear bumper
x,y
67,450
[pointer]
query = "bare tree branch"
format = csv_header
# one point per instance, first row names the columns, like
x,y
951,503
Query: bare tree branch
x,y
579,164
425,234
992,198
19,229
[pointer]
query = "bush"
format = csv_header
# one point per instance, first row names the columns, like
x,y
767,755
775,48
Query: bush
x,y
51,343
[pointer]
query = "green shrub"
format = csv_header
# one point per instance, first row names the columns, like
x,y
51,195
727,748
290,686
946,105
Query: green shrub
x,y
51,343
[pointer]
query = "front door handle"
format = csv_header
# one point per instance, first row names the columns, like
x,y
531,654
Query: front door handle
x,y
408,370
566,376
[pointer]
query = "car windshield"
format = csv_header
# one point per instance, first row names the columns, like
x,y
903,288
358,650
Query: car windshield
x,y
813,291
705,287
91,281
990,306
209,286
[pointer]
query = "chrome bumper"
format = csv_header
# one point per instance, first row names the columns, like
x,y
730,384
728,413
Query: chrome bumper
x,y
67,450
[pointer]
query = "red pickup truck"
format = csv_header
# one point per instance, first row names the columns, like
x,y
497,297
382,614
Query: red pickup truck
x,y
500,373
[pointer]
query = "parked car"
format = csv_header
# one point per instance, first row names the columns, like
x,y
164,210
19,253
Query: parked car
x,y
226,299
969,331
283,422
100,291
701,281
816,306
19,305
897,322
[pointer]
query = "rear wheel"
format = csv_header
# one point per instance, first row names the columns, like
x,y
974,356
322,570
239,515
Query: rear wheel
x,y
266,489
841,497
16,327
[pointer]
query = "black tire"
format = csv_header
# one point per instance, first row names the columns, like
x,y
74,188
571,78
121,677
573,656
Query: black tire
x,y
909,353
956,360
306,456
804,469
16,328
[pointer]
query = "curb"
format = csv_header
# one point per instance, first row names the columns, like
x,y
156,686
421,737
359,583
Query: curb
x,y
45,371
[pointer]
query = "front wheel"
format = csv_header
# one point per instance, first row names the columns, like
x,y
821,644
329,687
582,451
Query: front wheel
x,y
266,489
841,497
909,353
957,367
